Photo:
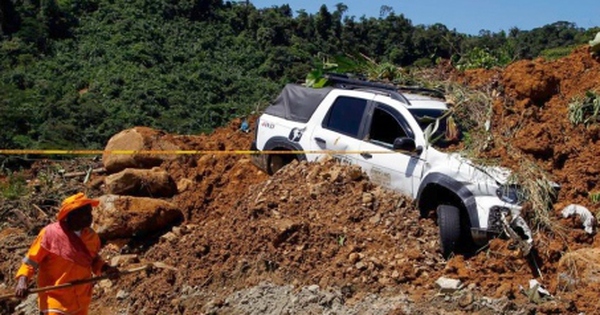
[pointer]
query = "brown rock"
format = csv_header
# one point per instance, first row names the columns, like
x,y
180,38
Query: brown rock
x,y
466,300
169,237
141,182
353,257
355,173
123,260
137,139
126,216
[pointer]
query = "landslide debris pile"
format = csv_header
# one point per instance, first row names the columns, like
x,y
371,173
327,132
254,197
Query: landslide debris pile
x,y
324,229
310,224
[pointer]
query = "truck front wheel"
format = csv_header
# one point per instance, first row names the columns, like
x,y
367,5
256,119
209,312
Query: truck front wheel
x,y
449,224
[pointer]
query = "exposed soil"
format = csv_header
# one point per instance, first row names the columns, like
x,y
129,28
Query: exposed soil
x,y
320,238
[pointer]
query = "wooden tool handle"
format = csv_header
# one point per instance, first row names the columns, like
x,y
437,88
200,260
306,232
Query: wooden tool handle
x,y
77,282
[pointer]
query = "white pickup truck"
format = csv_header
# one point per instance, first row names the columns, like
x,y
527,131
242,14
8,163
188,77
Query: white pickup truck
x,y
383,131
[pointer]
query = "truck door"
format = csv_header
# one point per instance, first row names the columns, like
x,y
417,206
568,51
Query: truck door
x,y
398,171
341,127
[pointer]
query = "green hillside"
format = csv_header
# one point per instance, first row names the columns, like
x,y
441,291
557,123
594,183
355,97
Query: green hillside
x,y
75,72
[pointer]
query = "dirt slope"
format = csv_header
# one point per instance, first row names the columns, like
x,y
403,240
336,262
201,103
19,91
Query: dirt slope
x,y
533,115
326,225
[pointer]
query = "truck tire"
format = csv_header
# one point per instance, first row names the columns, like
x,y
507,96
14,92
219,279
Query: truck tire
x,y
275,163
449,224
276,160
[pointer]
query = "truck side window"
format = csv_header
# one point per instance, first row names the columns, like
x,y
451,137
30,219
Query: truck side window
x,y
385,128
345,115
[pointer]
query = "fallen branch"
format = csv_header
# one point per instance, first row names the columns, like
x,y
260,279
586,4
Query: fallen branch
x,y
40,210
15,247
99,170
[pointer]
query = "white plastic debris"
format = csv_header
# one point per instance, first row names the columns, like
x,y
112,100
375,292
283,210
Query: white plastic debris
x,y
447,285
536,293
595,44
588,220
534,284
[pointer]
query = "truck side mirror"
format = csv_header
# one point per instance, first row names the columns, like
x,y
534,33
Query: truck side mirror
x,y
407,145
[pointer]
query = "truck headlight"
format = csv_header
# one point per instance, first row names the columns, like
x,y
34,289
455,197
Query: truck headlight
x,y
511,194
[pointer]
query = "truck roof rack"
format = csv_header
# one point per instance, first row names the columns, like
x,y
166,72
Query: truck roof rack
x,y
395,92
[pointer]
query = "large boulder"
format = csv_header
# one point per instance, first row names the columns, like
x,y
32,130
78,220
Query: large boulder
x,y
118,217
141,182
137,139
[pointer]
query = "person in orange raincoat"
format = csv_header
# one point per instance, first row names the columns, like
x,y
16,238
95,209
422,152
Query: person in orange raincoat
x,y
65,251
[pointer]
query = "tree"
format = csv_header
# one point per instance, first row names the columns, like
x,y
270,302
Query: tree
x,y
384,11
323,22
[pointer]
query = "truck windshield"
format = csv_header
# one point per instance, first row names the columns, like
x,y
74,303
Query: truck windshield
x,y
426,117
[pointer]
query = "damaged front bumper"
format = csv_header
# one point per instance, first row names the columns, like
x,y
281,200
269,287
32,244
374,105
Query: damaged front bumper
x,y
503,221
523,243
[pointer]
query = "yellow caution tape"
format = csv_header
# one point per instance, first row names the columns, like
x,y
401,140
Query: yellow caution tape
x,y
180,152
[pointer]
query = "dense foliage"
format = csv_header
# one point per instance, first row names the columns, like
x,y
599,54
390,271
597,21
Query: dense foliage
x,y
75,72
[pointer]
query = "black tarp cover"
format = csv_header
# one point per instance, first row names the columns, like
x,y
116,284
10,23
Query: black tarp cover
x,y
297,103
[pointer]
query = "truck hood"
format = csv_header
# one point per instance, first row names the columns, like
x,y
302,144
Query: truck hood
x,y
465,170
498,173
425,102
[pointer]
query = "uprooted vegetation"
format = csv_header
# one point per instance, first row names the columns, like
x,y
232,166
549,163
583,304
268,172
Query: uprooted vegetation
x,y
325,229
585,110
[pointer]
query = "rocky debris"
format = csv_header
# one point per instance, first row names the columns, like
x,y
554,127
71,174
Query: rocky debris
x,y
183,185
122,294
268,298
132,207
466,300
137,139
106,285
328,238
119,217
154,183
28,306
169,237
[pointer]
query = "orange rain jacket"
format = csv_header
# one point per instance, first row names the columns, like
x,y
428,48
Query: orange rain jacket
x,y
55,270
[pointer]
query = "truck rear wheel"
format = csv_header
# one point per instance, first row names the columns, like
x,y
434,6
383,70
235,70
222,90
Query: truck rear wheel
x,y
281,153
449,224
276,162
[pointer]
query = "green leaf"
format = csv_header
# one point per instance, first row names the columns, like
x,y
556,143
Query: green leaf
x,y
315,79
345,64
